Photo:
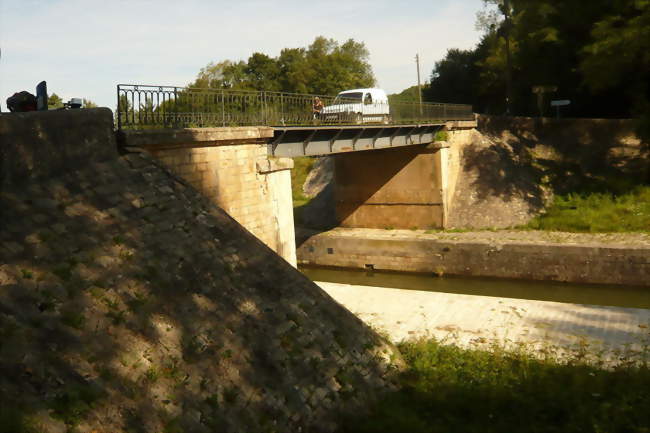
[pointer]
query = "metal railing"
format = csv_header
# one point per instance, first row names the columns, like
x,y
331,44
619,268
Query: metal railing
x,y
152,107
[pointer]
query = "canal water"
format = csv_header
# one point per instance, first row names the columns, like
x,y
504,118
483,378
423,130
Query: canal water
x,y
618,296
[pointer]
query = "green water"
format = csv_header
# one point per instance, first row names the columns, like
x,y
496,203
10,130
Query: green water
x,y
619,296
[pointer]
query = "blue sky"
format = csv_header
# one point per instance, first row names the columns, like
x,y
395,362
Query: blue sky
x,y
83,48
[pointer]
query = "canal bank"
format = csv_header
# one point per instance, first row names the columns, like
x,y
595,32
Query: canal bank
x,y
604,333
620,258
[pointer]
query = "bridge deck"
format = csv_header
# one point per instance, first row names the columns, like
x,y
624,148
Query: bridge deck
x,y
329,139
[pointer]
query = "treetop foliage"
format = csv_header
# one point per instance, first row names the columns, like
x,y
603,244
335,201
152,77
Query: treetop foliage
x,y
596,53
325,68
54,101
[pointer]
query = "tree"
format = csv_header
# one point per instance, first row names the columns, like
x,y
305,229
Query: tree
x,y
222,75
87,103
54,101
262,72
407,95
619,58
454,78
594,53
325,67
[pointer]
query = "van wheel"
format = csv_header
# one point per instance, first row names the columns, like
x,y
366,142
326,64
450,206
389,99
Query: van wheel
x,y
358,119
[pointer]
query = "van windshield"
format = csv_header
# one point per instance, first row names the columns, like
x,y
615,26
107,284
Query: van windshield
x,y
343,98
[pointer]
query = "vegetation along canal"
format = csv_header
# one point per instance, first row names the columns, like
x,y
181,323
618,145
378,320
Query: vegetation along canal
x,y
618,296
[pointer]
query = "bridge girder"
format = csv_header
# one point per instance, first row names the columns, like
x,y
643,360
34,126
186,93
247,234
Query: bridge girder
x,y
326,140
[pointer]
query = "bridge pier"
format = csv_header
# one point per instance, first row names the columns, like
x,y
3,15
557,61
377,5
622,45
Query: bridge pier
x,y
402,188
230,166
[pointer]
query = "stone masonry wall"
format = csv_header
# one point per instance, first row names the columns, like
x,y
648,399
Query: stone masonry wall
x,y
569,257
129,302
238,177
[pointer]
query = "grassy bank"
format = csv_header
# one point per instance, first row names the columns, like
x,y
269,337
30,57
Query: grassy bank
x,y
597,212
301,168
448,389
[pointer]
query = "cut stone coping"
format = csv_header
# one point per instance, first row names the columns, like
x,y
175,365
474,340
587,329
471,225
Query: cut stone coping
x,y
472,321
195,137
505,236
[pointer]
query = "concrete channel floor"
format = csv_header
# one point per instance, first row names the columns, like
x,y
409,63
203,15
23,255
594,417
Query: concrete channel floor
x,y
606,333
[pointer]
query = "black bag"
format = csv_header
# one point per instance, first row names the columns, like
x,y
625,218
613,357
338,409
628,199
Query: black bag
x,y
21,101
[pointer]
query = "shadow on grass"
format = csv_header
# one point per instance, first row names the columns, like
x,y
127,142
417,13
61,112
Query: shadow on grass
x,y
448,389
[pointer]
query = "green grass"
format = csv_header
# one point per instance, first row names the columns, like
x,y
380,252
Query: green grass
x,y
441,136
597,212
449,389
301,168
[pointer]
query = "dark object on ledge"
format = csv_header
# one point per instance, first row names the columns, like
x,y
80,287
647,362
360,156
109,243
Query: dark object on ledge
x,y
41,96
21,102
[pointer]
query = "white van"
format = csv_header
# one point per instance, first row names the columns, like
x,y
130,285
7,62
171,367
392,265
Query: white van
x,y
358,106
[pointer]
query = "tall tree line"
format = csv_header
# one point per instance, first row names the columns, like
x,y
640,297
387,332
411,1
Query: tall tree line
x,y
325,67
595,53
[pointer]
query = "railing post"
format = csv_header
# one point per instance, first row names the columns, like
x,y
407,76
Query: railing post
x,y
282,108
264,108
223,108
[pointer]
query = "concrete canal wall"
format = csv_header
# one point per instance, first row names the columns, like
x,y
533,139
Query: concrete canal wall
x,y
567,257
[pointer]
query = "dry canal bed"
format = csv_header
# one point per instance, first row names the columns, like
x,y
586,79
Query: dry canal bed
x,y
564,318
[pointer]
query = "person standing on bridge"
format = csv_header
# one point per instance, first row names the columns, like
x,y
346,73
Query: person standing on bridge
x,y
317,108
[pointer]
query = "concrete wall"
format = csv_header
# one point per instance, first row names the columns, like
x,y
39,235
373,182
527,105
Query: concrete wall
x,y
399,188
389,250
230,166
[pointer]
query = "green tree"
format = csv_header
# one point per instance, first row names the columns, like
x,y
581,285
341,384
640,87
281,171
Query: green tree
x,y
87,103
338,67
222,75
54,101
295,74
619,58
262,73
454,78
325,67
407,95
594,53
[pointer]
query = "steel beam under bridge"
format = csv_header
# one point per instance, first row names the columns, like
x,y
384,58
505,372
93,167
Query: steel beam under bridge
x,y
325,140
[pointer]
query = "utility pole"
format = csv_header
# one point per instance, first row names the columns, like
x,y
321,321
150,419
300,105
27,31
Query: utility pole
x,y
417,64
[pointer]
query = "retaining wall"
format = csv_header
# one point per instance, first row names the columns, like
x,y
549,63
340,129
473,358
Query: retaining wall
x,y
405,251
130,302
230,166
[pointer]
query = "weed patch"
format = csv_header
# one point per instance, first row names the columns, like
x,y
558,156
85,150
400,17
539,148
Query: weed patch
x,y
597,212
73,319
72,404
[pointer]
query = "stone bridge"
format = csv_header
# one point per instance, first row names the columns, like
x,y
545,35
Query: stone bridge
x,y
389,176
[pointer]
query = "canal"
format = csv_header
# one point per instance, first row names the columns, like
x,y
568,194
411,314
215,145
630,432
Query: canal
x,y
618,296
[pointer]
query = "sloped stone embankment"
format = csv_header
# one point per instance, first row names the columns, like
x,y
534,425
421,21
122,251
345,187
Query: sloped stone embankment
x,y
129,303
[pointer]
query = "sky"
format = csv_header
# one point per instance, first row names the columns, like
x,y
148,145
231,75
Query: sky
x,y
84,48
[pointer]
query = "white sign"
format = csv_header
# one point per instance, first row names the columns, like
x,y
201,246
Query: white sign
x,y
560,103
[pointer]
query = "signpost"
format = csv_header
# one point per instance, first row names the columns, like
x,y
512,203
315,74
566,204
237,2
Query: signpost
x,y
540,91
559,103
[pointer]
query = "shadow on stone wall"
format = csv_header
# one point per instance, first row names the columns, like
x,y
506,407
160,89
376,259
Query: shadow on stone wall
x,y
129,303
576,155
